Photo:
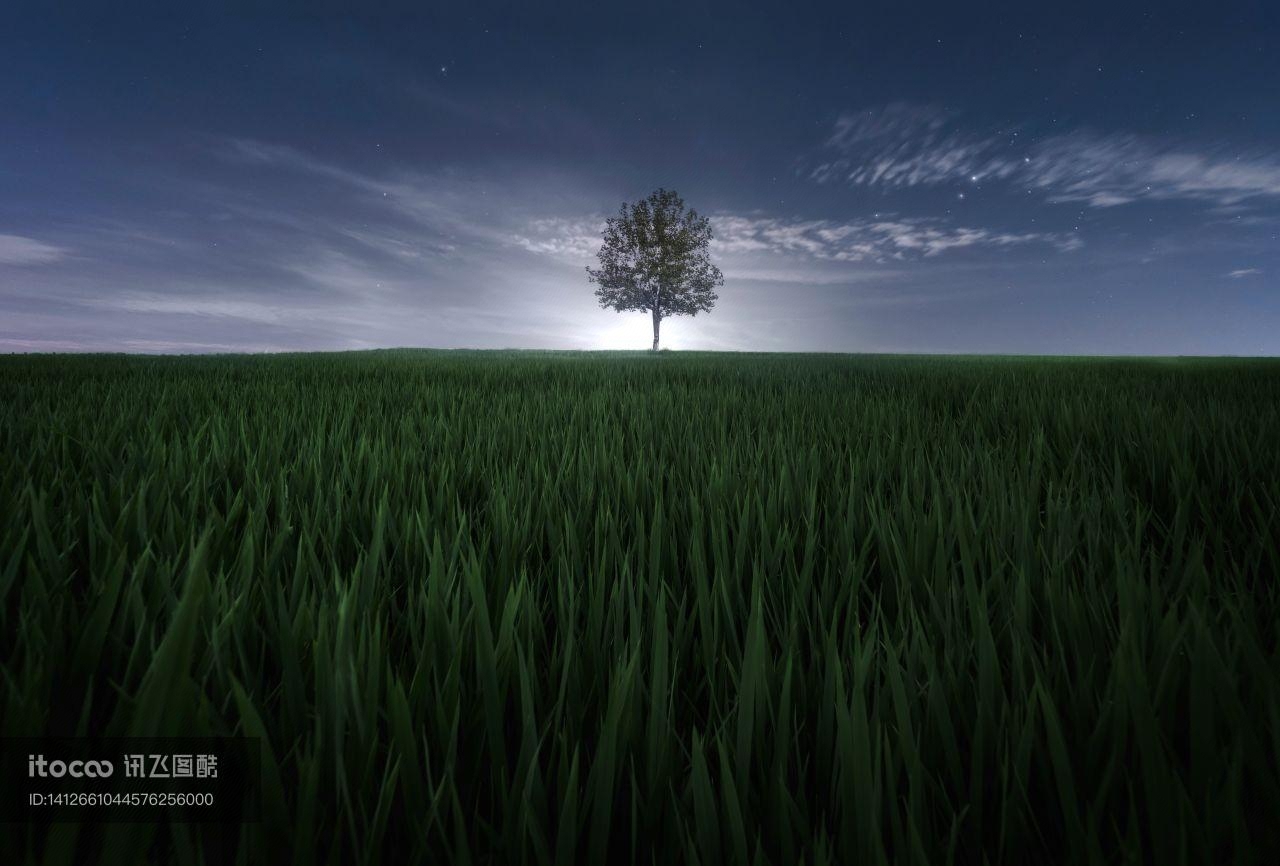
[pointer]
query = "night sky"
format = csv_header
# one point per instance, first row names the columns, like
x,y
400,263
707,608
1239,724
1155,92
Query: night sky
x,y
1049,178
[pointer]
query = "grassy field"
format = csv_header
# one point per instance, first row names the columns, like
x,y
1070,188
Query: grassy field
x,y
554,608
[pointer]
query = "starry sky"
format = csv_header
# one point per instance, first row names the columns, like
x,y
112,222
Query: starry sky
x,y
1047,178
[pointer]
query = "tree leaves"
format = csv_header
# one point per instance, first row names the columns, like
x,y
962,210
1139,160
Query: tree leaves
x,y
655,259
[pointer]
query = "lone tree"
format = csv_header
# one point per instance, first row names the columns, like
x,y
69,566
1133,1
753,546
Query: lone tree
x,y
654,259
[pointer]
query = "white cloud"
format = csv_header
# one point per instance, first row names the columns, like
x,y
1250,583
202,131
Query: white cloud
x,y
870,240
230,308
446,206
396,247
739,238
452,209
901,146
804,274
17,250
1245,272
195,347
572,240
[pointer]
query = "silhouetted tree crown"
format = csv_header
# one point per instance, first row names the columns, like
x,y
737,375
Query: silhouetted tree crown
x,y
655,258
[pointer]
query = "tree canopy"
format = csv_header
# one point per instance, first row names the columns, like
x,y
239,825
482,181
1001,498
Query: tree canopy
x,y
655,258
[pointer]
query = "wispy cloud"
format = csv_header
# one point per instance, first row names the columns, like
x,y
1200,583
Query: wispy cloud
x,y
446,210
739,239
441,204
572,239
446,206
254,152
18,250
186,347
743,237
207,306
901,146
870,240
1245,272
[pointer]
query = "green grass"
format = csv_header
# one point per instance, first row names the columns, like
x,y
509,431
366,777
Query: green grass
x,y
551,608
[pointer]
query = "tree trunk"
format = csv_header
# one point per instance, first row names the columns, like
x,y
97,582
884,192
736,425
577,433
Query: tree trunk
x,y
657,320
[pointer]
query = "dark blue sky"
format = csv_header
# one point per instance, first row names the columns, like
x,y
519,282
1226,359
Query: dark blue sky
x,y
1056,178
